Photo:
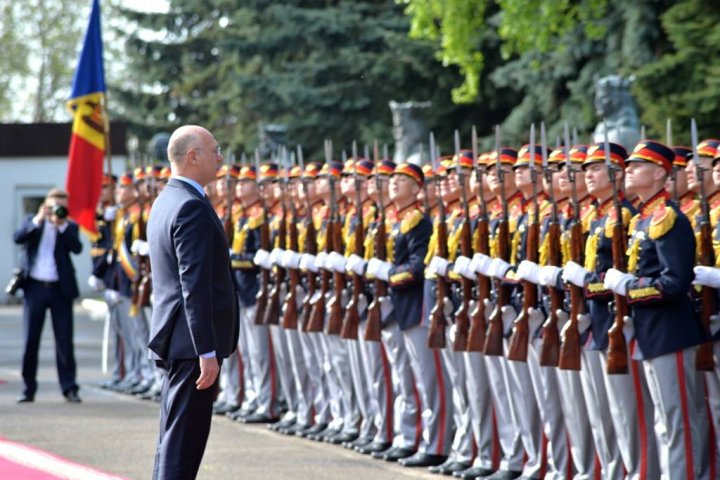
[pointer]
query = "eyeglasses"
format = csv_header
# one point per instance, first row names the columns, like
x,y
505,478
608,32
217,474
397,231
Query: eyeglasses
x,y
218,149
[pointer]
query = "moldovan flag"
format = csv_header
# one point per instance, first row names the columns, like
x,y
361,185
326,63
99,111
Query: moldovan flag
x,y
87,142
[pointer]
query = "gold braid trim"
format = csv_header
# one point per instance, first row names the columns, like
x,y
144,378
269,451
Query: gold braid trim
x,y
390,245
565,247
662,223
432,245
591,246
633,251
544,251
515,246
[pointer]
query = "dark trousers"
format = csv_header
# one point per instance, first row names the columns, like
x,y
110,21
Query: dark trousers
x,y
39,297
185,415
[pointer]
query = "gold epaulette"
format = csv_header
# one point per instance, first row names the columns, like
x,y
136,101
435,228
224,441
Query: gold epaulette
x,y
255,221
410,221
662,222
591,246
610,222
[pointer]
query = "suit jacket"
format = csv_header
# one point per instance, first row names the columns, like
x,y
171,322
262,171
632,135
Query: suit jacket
x,y
68,241
195,305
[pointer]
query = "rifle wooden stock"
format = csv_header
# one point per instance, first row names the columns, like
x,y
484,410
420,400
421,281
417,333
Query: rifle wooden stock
x,y
704,361
290,318
570,348
518,349
335,321
272,312
374,320
476,334
351,322
142,285
310,248
617,355
317,314
462,315
436,336
550,349
261,299
494,337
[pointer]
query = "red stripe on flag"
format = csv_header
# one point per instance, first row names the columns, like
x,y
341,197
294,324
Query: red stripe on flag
x,y
84,182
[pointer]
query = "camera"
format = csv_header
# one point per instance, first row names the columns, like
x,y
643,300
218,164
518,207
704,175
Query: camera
x,y
60,211
16,282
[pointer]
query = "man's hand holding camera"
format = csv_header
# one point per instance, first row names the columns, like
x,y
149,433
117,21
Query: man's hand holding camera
x,y
55,213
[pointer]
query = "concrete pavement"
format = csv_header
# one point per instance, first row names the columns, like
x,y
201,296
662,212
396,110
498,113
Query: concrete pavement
x,y
116,433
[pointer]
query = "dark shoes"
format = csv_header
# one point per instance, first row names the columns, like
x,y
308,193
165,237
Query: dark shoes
x,y
394,454
72,397
374,447
473,473
503,475
449,467
422,460
25,398
257,418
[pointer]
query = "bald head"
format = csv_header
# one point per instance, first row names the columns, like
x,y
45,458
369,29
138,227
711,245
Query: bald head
x,y
193,153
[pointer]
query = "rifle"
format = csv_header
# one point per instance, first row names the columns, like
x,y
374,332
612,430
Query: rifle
x,y
476,334
261,299
143,262
518,347
704,361
673,171
290,318
228,224
146,285
550,348
570,347
317,315
335,321
617,358
494,338
436,336
374,318
462,315
351,322
310,248
272,312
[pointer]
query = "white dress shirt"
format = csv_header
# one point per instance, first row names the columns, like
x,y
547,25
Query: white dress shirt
x,y
44,268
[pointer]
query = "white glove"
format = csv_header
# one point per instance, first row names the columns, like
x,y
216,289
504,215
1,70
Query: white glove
x,y
110,213
583,324
362,304
336,262
96,283
386,308
617,281
548,275
528,271
508,318
438,266
480,263
462,267
378,269
498,268
276,256
320,260
355,264
707,276
140,247
489,307
307,263
261,258
112,297
574,273
315,297
290,259
535,321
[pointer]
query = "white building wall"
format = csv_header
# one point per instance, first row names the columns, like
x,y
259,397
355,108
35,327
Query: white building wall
x,y
25,177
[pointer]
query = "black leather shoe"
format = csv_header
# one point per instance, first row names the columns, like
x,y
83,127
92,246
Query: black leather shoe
x,y
293,429
422,460
238,414
374,447
473,473
25,398
358,442
257,418
225,408
395,454
449,467
320,437
503,475
343,437
282,424
313,430
72,397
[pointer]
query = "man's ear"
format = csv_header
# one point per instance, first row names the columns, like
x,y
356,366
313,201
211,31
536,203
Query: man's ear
x,y
415,188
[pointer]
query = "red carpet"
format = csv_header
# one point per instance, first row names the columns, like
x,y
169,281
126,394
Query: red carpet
x,y
21,462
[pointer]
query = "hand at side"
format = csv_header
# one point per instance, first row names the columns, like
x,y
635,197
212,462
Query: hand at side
x,y
209,370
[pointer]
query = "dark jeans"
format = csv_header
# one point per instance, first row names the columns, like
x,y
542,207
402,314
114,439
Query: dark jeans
x,y
39,297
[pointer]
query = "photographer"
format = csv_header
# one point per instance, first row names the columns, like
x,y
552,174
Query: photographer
x,y
49,283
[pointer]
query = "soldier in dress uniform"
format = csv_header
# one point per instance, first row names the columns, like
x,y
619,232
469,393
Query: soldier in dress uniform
x,y
667,329
408,242
624,398
260,402
677,183
461,451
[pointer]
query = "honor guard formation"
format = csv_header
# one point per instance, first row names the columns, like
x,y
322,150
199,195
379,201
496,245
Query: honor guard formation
x,y
518,313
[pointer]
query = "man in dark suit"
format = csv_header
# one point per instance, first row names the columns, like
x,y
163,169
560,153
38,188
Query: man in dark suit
x,y
49,283
194,321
